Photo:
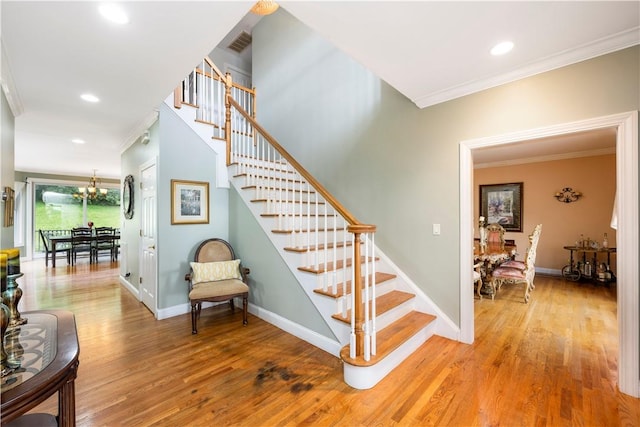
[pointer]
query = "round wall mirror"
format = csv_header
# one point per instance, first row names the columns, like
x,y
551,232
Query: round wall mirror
x,y
127,197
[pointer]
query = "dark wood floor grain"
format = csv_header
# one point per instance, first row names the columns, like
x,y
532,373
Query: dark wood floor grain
x,y
552,362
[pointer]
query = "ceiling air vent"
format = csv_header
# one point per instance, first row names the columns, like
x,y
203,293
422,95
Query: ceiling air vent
x,y
239,43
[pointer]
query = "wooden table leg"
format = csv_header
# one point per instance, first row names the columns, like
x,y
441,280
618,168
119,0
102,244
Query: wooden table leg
x,y
67,403
53,254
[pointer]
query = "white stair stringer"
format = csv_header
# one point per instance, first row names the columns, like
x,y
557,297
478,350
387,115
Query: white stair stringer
x,y
365,377
188,114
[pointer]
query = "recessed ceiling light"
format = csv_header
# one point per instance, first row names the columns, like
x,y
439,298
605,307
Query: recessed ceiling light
x,y
77,141
89,97
502,48
114,13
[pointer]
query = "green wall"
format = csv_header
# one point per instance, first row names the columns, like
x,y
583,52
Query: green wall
x,y
179,154
395,165
7,164
184,156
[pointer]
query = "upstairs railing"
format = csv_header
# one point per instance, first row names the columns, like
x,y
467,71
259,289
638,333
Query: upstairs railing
x,y
206,89
338,246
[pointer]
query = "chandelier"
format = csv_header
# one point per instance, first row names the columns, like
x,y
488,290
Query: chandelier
x,y
264,7
91,191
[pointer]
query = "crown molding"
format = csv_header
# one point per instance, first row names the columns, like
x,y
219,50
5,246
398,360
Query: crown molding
x,y
584,52
139,130
8,86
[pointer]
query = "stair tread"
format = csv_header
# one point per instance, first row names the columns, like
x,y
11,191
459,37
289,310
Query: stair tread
x,y
267,215
253,187
320,230
384,303
206,122
330,266
391,337
320,247
340,287
282,201
244,174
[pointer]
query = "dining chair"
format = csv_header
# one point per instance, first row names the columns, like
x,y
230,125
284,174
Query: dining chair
x,y
503,274
104,241
520,264
216,275
81,242
477,276
495,233
60,248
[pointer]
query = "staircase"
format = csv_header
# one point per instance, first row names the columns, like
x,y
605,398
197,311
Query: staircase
x,y
377,315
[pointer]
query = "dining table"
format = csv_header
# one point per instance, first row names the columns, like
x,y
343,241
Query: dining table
x,y
492,255
66,238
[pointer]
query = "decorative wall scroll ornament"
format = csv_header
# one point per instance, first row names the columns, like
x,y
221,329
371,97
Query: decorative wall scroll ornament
x,y
567,195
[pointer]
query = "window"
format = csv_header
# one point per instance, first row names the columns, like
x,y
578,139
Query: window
x,y
61,207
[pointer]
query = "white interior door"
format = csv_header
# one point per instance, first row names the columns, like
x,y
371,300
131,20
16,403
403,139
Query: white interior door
x,y
148,258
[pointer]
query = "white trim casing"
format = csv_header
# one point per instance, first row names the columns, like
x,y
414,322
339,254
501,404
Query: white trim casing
x,y
628,239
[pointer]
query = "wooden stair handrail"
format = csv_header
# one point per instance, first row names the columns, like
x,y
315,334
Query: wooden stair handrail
x,y
214,68
348,216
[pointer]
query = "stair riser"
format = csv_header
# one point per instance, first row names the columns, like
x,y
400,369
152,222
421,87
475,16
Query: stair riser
x,y
322,256
291,207
343,304
297,222
326,280
295,238
363,378
285,195
265,169
280,180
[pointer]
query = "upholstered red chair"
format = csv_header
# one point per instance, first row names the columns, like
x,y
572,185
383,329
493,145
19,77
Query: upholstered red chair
x,y
504,274
533,243
495,234
216,276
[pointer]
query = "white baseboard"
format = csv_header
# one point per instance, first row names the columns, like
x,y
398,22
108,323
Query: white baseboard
x,y
128,286
327,344
549,271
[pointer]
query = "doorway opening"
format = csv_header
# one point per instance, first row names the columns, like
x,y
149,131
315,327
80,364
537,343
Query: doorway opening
x,y
628,230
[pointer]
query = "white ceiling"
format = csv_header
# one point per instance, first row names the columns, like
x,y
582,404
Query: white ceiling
x,y
429,51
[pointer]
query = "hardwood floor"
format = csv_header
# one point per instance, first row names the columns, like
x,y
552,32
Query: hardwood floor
x,y
551,362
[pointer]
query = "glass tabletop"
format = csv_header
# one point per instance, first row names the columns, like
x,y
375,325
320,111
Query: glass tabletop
x,y
30,347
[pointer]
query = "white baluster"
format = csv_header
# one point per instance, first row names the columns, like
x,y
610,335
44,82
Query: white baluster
x,y
367,348
373,296
317,236
352,337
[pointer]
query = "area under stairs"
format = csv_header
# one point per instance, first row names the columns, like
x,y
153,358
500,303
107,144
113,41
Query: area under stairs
x,y
402,322
401,328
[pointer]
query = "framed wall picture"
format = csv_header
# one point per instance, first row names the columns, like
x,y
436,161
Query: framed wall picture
x,y
8,206
189,202
502,204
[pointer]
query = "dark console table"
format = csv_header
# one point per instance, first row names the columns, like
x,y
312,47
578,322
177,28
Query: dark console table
x,y
46,350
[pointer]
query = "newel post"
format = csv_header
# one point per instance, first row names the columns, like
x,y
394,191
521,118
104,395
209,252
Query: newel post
x,y
357,296
358,307
228,84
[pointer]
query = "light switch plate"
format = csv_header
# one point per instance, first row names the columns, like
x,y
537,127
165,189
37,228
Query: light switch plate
x,y
436,229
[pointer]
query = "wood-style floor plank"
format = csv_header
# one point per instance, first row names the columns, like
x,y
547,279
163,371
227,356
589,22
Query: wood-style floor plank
x,y
552,362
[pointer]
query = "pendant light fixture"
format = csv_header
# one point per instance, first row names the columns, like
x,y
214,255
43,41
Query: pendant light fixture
x,y
264,7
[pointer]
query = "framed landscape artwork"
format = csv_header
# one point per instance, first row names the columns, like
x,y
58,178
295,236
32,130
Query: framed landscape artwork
x,y
189,202
502,204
